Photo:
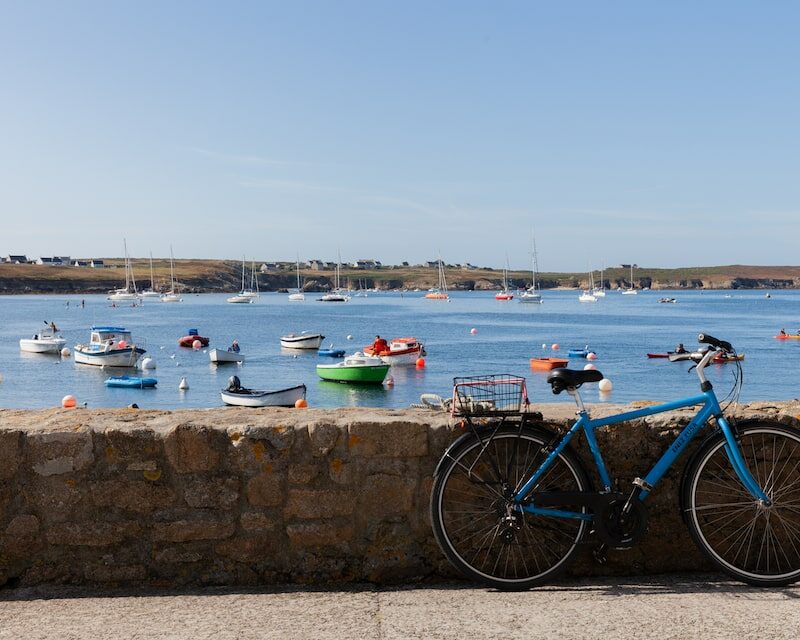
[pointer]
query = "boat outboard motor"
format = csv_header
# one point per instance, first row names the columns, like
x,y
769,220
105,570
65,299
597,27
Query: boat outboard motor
x,y
234,384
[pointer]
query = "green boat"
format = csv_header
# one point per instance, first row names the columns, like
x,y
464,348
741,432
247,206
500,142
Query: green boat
x,y
357,368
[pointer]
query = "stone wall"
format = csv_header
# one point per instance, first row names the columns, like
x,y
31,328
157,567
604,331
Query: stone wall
x,y
233,496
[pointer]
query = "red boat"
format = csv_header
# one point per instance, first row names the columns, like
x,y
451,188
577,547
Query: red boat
x,y
504,296
401,351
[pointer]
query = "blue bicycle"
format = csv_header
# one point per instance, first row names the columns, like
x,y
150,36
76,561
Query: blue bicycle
x,y
511,501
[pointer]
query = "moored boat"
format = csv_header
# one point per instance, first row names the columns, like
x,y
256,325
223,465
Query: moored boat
x,y
131,382
221,356
546,364
356,368
440,291
302,340
46,341
237,395
110,347
189,339
331,353
400,351
787,336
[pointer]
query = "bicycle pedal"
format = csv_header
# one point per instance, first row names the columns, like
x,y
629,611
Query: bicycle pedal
x,y
599,555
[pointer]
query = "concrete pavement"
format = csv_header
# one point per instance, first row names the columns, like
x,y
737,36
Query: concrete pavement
x,y
663,607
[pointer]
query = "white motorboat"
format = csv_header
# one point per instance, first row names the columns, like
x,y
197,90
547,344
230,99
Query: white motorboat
x,y
109,347
46,341
302,341
237,395
221,356
401,351
587,296
129,292
240,299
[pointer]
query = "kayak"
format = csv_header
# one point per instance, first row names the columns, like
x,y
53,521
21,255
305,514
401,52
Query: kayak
x,y
722,358
131,382
787,336
658,355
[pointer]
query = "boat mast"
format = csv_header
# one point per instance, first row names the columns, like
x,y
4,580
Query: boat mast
x,y
152,283
171,271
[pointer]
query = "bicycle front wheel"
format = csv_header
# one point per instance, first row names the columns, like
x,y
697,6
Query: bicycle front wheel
x,y
474,520
754,543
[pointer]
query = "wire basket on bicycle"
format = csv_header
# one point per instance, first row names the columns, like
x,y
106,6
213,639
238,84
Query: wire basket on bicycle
x,y
489,395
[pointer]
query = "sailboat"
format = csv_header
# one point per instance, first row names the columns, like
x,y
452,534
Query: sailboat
x,y
252,292
505,295
151,292
171,295
531,295
298,296
440,291
244,296
600,290
337,295
129,292
630,291
587,295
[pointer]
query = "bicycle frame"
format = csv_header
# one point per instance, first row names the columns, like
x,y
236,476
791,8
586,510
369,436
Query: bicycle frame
x,y
710,407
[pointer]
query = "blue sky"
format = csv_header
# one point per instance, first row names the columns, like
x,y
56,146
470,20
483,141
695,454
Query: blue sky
x,y
664,134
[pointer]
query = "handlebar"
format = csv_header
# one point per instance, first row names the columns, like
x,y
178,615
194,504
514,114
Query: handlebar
x,y
702,358
714,342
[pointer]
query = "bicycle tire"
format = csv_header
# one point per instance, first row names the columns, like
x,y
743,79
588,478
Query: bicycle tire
x,y
752,543
467,510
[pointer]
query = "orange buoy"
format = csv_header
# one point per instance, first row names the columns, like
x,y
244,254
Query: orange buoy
x,y
591,356
473,331
420,363
555,346
196,345
300,403
69,402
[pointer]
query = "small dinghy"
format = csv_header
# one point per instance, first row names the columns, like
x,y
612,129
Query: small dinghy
x,y
131,382
237,395
547,364
189,339
220,356
331,353
577,353
302,341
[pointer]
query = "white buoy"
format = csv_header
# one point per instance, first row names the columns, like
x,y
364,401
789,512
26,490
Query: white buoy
x,y
147,363
65,352
172,356
605,385
389,382
349,337
589,367
183,386
544,346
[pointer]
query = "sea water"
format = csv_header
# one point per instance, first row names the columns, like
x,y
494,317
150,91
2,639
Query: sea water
x,y
620,329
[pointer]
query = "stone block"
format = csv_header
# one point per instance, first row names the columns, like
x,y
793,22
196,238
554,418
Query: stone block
x,y
265,490
312,504
138,496
342,472
323,438
176,555
193,449
248,549
212,493
303,473
59,452
134,450
186,530
100,572
388,440
279,437
91,534
384,495
257,521
57,499
23,526
320,534
10,447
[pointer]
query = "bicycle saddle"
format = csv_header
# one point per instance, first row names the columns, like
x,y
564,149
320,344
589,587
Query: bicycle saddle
x,y
560,379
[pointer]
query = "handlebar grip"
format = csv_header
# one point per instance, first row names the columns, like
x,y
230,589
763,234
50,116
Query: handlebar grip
x,y
714,342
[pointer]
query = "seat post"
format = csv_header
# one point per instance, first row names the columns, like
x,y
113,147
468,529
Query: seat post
x,y
576,395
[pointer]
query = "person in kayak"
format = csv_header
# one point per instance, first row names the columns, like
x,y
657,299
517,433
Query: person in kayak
x,y
680,348
379,346
783,332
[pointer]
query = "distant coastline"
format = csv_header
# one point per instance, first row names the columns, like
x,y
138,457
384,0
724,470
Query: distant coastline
x,y
218,276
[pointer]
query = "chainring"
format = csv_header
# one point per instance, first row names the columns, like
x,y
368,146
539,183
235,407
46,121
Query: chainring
x,y
619,530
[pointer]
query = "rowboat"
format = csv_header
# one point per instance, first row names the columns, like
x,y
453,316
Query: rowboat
x,y
44,342
401,351
221,356
302,340
546,364
356,368
110,347
578,353
237,395
131,382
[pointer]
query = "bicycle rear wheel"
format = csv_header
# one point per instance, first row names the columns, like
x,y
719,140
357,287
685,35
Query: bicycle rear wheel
x,y
756,544
471,516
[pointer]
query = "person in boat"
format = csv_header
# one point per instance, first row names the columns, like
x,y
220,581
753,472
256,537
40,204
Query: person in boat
x,y
234,347
379,346
680,348
53,327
